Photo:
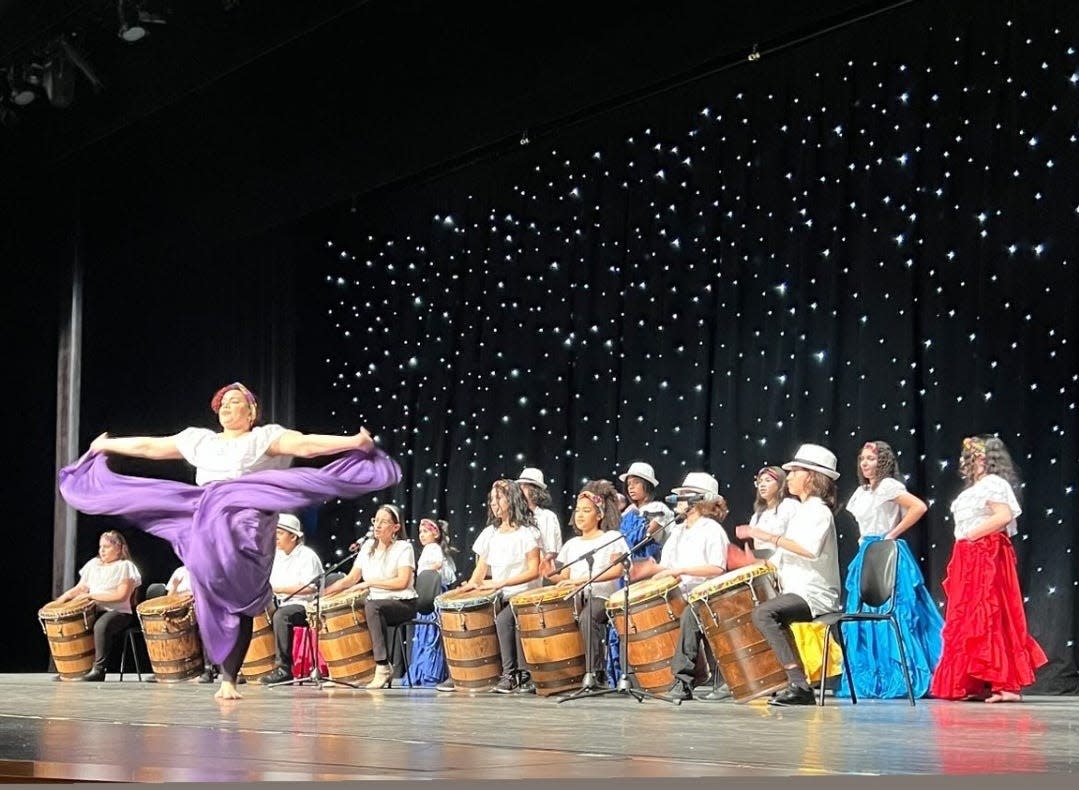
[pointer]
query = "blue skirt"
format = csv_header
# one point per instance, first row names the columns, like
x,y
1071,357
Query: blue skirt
x,y
427,666
872,654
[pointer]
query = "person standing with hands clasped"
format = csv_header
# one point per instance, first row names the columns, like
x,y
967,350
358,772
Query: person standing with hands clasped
x,y
806,561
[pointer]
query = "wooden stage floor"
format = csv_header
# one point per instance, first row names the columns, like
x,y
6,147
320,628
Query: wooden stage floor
x,y
147,732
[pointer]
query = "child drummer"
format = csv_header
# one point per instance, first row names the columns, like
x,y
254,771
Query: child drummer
x,y
595,519
695,551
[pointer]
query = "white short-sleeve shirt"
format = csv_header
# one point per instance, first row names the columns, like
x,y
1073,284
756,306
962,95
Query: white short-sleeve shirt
x,y
703,543
608,547
506,554
971,507
181,577
875,509
814,579
550,530
219,457
774,521
383,564
297,568
101,577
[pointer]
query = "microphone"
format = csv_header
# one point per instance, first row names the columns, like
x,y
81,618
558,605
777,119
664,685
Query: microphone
x,y
674,499
355,546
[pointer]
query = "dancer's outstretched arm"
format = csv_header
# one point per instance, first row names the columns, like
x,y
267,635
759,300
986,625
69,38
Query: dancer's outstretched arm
x,y
159,448
312,445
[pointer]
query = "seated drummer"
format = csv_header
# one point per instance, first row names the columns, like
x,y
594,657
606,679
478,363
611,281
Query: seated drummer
x,y
695,551
110,580
596,520
294,566
385,568
509,547
807,563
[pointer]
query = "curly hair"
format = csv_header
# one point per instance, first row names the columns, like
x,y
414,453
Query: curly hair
x,y
520,514
611,514
998,461
777,474
887,463
713,508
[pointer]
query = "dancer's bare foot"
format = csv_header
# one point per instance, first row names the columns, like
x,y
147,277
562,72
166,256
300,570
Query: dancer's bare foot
x,y
1004,696
227,691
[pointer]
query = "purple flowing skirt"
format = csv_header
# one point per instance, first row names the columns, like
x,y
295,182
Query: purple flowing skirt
x,y
224,531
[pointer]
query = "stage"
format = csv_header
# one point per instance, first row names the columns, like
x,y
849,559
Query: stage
x,y
149,732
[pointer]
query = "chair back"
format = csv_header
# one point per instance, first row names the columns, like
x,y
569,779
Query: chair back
x,y
878,573
336,576
428,586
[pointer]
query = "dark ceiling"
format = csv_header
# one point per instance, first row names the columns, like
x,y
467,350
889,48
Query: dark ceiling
x,y
238,115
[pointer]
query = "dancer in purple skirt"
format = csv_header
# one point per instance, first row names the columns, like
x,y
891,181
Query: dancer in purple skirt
x,y
223,527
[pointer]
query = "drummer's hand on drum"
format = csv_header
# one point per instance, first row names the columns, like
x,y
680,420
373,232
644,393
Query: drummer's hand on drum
x,y
743,532
666,572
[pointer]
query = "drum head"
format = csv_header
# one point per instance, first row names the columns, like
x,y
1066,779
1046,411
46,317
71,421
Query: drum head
x,y
464,599
54,610
643,591
734,578
166,603
348,599
541,595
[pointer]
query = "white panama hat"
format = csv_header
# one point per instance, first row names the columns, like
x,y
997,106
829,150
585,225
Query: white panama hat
x,y
290,523
699,483
532,476
642,470
816,459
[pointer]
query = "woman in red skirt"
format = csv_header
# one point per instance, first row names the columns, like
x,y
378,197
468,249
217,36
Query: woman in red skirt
x,y
988,653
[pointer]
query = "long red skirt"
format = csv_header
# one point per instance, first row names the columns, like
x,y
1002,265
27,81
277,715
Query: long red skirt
x,y
986,642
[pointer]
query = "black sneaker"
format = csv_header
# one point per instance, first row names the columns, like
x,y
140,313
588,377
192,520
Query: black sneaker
x,y
506,685
278,675
208,676
794,695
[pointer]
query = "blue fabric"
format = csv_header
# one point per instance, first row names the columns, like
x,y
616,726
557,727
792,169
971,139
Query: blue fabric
x,y
634,527
872,653
614,663
427,666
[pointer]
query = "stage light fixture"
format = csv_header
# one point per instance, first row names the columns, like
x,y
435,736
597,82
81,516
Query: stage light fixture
x,y
21,82
135,16
131,28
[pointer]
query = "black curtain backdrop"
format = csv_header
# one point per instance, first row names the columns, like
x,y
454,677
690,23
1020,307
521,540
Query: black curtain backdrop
x,y
870,235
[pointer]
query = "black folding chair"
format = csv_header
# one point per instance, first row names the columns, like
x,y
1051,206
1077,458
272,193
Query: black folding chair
x,y
428,586
877,590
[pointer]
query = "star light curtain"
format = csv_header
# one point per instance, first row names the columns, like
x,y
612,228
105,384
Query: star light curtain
x,y
872,236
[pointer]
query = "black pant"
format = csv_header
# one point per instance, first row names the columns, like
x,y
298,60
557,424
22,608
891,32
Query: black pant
x,y
381,615
509,640
592,622
284,620
107,627
230,667
684,662
773,619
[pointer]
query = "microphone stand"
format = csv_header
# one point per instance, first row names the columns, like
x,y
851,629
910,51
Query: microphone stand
x,y
624,685
315,675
